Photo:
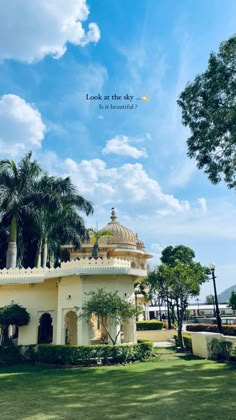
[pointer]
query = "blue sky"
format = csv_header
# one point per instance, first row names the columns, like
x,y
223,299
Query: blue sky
x,y
55,52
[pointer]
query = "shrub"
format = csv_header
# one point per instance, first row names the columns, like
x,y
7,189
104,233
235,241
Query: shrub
x,y
28,353
219,349
87,355
187,341
149,325
9,354
227,329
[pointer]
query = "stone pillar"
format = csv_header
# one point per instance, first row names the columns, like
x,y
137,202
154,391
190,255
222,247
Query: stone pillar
x,y
60,335
83,332
131,331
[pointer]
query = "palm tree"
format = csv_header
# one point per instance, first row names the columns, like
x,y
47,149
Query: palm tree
x,y
95,235
15,189
57,218
38,211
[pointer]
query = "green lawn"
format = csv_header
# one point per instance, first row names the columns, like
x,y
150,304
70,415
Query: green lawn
x,y
172,386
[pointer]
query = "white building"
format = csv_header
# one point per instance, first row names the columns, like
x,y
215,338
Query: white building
x,y
53,296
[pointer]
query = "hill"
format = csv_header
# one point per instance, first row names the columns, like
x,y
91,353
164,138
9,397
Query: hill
x,y
224,296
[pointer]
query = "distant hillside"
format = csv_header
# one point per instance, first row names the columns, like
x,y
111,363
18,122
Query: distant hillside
x,y
224,296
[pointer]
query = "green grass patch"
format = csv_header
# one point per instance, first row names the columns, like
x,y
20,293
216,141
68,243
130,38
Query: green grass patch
x,y
170,386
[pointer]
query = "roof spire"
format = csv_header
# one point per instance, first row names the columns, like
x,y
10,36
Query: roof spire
x,y
113,215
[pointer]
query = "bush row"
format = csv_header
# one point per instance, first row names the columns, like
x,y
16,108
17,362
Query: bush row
x,y
227,329
149,325
86,355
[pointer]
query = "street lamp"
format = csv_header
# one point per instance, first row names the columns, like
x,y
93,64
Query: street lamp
x,y
218,319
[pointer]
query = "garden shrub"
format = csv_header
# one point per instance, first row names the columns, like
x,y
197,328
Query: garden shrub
x,y
29,352
87,355
149,325
9,354
227,329
187,341
219,349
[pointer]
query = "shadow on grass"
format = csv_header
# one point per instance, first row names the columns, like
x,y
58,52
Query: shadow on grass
x,y
184,386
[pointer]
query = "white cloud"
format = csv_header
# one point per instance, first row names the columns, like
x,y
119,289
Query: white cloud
x,y
203,205
119,145
21,126
128,185
30,30
181,173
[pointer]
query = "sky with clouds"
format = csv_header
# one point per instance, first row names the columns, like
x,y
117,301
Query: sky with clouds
x,y
56,54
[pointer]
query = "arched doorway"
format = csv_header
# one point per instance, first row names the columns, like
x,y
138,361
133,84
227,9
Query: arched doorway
x,y
71,328
45,329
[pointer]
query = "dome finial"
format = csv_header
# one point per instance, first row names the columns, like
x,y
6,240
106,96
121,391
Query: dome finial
x,y
113,214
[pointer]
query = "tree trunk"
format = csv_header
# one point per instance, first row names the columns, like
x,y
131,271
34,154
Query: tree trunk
x,y
180,337
5,337
45,253
109,335
168,315
95,250
12,249
38,255
180,324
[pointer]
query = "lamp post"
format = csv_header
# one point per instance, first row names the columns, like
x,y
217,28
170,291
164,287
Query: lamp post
x,y
218,319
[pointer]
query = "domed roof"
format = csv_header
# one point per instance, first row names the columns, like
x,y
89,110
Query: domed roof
x,y
120,235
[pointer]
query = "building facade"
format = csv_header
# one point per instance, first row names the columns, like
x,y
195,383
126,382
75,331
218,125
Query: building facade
x,y
53,297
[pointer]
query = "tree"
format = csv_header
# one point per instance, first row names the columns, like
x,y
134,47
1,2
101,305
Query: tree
x,y
177,279
210,300
15,189
12,315
38,212
209,110
110,309
180,253
95,236
232,301
56,215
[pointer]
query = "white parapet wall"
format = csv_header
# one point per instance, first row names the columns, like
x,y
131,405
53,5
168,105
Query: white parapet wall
x,y
84,266
200,341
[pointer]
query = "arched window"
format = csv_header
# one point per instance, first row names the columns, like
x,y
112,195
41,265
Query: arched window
x,y
45,329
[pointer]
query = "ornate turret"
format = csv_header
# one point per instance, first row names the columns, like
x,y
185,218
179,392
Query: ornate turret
x,y
121,236
122,243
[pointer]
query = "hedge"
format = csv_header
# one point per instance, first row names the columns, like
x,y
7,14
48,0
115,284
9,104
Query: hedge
x,y
149,325
86,355
227,329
